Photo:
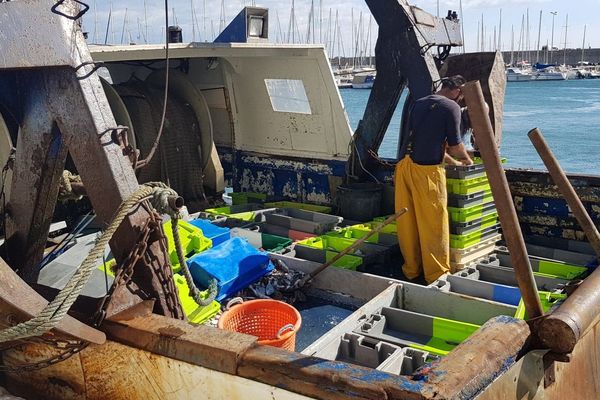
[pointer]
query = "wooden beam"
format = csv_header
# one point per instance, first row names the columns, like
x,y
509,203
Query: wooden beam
x,y
200,345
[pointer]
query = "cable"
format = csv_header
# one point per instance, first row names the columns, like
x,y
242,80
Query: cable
x,y
147,160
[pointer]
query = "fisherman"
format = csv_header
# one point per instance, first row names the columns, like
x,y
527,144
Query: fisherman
x,y
420,180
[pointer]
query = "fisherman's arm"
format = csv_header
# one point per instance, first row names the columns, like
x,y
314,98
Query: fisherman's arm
x,y
459,152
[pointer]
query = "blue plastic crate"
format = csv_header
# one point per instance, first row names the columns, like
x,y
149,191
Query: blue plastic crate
x,y
216,233
235,264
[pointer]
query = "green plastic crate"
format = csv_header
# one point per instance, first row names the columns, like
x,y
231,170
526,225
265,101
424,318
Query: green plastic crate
x,y
195,313
547,299
560,270
192,239
301,206
244,212
464,228
238,198
358,231
471,213
274,243
390,228
470,239
467,186
336,244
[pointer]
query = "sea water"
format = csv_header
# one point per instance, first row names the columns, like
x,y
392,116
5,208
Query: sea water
x,y
566,112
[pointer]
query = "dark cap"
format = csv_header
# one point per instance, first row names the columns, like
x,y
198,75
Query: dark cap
x,y
453,82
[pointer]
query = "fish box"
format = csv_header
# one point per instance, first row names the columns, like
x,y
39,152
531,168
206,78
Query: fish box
x,y
238,198
368,252
465,171
214,232
261,240
235,264
361,230
552,268
195,313
467,186
302,220
469,200
245,212
471,213
192,241
424,332
372,353
300,206
473,238
464,228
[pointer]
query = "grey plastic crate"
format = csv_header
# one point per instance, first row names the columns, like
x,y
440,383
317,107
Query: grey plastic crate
x,y
506,276
468,200
302,220
464,228
465,171
369,253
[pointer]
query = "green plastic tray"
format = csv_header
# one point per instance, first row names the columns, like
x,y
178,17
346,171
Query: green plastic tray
x,y
547,299
245,212
195,314
471,213
464,228
192,239
238,198
301,206
467,186
470,239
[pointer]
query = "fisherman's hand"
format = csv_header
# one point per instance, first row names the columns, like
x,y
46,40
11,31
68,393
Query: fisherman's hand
x,y
466,161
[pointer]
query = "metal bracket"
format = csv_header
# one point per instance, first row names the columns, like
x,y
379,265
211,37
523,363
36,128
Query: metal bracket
x,y
85,9
119,136
550,360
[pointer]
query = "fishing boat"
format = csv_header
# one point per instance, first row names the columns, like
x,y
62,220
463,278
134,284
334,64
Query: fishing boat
x,y
543,72
268,120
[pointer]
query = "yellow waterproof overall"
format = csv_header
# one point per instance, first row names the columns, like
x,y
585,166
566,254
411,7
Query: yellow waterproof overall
x,y
423,231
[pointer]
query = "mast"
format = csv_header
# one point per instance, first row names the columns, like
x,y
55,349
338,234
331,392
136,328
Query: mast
x,y
512,45
583,44
499,46
124,25
369,39
146,21
462,26
478,42
193,24
537,49
565,49
352,26
108,25
527,41
95,23
552,37
222,17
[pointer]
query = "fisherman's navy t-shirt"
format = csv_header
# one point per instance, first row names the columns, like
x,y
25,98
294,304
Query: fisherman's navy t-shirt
x,y
435,121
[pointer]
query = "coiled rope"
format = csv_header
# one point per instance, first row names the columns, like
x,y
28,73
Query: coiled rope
x,y
158,194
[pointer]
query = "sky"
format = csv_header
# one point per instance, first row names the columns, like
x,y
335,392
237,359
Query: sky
x,y
130,17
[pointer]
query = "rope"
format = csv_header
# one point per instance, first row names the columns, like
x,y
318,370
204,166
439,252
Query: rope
x,y
65,190
160,201
56,310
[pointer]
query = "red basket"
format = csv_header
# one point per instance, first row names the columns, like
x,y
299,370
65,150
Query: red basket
x,y
275,323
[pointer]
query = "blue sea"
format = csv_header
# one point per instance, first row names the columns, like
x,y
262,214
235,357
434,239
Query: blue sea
x,y
566,112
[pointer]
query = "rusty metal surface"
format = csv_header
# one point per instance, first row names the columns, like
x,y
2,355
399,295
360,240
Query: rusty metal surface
x,y
19,302
39,162
488,68
22,44
484,135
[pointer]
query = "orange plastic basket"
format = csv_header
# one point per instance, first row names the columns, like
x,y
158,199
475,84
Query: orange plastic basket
x,y
275,323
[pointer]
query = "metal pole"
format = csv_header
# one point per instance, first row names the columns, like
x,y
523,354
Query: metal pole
x,y
484,135
561,330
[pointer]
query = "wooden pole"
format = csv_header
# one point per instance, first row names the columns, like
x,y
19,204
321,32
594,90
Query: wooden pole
x,y
353,247
484,135
561,330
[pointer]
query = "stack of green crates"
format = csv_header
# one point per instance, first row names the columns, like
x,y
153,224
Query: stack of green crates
x,y
471,210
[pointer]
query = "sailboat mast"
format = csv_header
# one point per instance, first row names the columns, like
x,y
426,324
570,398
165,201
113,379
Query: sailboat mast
x,y
193,24
108,25
537,49
146,21
583,44
512,45
124,25
499,46
462,26
565,49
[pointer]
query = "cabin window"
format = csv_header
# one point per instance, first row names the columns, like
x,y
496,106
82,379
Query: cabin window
x,y
288,95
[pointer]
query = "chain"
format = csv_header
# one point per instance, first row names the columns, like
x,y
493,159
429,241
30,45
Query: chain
x,y
122,277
